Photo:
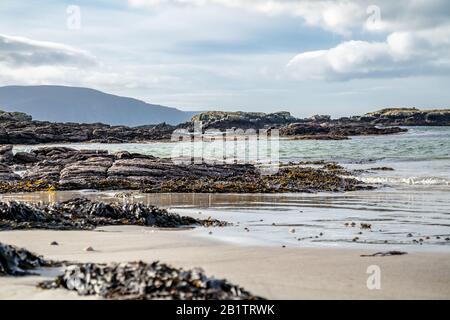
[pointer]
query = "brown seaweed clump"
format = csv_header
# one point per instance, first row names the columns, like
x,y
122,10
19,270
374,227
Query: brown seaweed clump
x,y
288,179
27,186
83,214
143,281
130,280
18,262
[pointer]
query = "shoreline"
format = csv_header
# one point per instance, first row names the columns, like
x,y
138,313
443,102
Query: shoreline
x,y
271,272
296,220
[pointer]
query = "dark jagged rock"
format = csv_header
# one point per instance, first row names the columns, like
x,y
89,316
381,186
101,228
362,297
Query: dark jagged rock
x,y
139,280
6,154
85,214
318,127
7,174
69,169
23,130
19,262
334,130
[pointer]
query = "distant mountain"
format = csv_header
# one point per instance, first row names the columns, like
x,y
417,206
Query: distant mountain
x,y
83,105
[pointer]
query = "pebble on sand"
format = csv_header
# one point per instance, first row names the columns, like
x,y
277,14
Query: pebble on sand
x,y
89,249
54,243
292,230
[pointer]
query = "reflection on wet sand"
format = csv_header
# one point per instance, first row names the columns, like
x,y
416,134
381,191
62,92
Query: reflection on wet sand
x,y
417,218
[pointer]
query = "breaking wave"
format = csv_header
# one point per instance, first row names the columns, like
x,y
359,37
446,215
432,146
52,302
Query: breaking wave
x,y
406,180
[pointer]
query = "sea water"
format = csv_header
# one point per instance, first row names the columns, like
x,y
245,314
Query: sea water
x,y
409,210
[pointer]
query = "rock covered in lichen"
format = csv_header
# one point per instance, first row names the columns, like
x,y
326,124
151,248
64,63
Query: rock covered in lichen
x,y
409,117
244,120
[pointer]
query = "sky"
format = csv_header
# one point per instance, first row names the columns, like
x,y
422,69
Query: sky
x,y
308,57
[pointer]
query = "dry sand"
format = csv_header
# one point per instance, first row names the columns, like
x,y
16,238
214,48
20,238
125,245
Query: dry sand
x,y
271,272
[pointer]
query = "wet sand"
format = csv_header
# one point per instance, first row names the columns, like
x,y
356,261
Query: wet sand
x,y
405,220
271,272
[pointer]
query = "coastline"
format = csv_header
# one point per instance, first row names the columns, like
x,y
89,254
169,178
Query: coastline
x,y
271,272
321,259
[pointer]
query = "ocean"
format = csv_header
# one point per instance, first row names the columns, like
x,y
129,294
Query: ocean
x,y
410,209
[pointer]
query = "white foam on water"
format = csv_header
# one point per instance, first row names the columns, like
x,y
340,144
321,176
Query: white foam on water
x,y
406,180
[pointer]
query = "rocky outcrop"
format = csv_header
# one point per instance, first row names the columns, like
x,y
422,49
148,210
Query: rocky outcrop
x,y
14,116
243,120
408,117
319,127
334,131
25,131
69,169
22,130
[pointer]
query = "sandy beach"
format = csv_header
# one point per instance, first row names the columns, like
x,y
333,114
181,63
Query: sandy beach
x,y
271,272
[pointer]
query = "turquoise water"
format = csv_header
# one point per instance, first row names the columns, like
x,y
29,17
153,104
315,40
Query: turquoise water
x,y
419,156
410,210
419,143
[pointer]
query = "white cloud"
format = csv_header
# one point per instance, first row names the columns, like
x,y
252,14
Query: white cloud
x,y
20,51
402,54
339,16
28,61
417,34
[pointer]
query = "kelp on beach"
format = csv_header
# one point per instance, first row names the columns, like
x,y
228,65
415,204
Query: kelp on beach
x,y
130,280
145,281
19,262
83,214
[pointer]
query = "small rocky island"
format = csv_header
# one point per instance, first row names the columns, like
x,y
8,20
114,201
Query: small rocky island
x,y
20,128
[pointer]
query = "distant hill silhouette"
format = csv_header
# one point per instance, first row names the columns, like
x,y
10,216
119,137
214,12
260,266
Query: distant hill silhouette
x,y
84,105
